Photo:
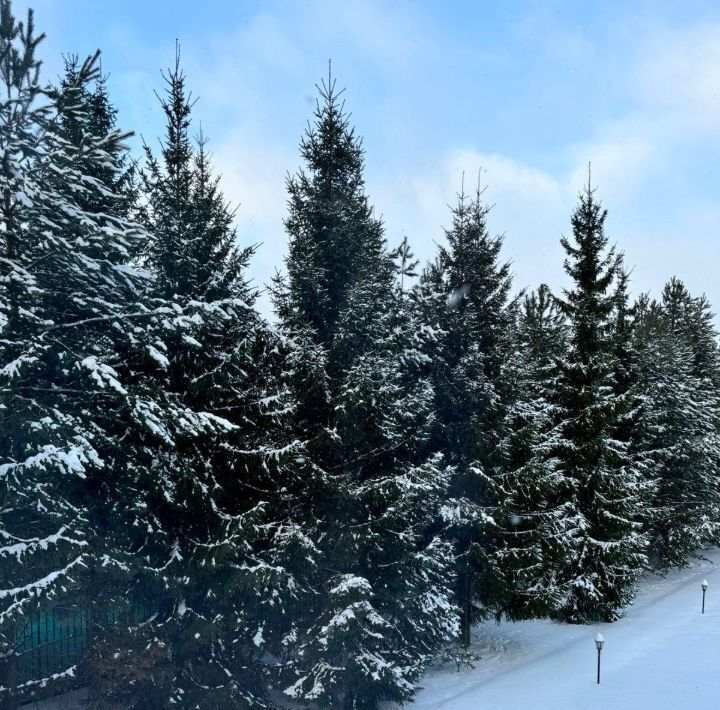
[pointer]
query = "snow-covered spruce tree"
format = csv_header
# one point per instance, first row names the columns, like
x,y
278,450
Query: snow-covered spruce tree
x,y
204,566
471,306
680,424
359,357
87,109
49,281
531,493
194,252
68,315
606,509
693,319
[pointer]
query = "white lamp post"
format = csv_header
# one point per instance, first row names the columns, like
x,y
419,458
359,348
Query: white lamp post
x,y
704,586
599,641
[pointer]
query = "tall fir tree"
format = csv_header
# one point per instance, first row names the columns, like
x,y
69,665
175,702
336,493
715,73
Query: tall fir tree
x,y
207,565
364,409
70,314
607,545
470,305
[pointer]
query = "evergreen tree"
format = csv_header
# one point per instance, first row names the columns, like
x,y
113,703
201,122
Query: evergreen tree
x,y
365,410
531,492
42,450
209,566
677,359
69,315
47,449
607,549
471,307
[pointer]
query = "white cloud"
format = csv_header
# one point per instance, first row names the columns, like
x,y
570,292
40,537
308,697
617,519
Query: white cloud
x,y
670,88
253,179
254,80
678,70
529,206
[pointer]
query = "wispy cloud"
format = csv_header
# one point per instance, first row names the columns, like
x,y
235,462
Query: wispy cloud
x,y
528,92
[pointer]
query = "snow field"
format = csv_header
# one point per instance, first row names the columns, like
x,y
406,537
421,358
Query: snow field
x,y
663,655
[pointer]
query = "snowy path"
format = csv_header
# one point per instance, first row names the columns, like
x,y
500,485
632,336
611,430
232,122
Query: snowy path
x,y
664,655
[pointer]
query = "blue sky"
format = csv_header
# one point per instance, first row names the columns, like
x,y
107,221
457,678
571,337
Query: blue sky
x,y
529,92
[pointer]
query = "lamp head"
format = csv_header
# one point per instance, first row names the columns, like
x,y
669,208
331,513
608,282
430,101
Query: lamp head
x,y
704,585
599,641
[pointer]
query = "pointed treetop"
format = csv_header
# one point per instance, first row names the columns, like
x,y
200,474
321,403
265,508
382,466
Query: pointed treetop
x,y
18,64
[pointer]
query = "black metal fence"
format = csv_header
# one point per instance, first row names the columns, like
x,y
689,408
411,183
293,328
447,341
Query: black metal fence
x,y
48,643
52,641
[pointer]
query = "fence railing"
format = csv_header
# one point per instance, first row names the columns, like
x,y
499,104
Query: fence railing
x,y
47,644
52,641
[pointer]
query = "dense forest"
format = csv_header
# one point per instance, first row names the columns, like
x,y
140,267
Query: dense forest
x,y
306,510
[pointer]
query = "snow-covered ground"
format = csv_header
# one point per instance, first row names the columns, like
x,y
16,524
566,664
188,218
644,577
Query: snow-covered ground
x,y
664,655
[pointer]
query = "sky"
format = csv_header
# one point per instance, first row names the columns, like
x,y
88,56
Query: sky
x,y
523,94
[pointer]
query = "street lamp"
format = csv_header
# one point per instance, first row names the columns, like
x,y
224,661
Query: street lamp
x,y
599,641
704,586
